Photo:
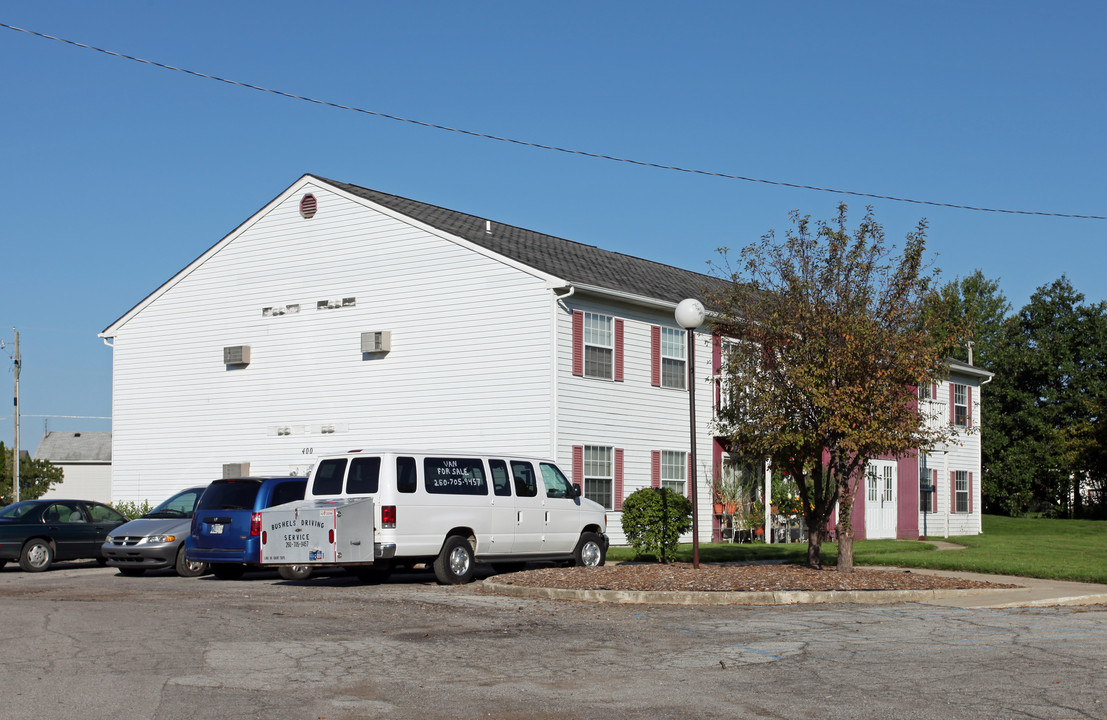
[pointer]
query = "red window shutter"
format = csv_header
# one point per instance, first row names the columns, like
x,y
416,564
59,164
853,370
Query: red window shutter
x,y
618,479
618,350
655,468
578,342
934,391
970,493
968,410
691,478
655,355
952,491
578,466
952,411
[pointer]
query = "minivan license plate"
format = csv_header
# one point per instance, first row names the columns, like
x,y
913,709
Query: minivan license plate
x,y
216,529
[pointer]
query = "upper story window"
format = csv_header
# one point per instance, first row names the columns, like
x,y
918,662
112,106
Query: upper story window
x,y
599,346
672,358
960,405
926,391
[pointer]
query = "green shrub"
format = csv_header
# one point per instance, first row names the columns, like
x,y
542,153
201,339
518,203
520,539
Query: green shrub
x,y
654,519
132,510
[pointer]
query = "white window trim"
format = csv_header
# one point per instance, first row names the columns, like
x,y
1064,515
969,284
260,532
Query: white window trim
x,y
679,479
592,477
587,343
672,333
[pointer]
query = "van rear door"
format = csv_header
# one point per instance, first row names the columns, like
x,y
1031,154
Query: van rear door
x,y
222,518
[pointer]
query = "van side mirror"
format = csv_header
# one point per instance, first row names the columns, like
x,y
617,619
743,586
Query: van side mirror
x,y
574,491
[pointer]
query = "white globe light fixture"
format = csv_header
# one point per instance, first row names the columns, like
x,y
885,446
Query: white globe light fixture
x,y
690,315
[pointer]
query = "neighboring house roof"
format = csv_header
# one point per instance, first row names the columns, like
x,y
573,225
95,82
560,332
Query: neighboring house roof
x,y
575,262
962,367
86,447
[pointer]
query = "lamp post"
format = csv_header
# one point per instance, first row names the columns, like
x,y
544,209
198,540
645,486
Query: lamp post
x,y
690,315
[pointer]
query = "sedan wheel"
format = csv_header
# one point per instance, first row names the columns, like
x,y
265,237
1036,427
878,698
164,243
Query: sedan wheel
x,y
36,556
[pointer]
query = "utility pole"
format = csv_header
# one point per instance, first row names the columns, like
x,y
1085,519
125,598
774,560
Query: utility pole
x,y
15,415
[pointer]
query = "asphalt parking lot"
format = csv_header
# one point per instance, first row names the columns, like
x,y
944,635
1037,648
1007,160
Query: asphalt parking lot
x,y
83,641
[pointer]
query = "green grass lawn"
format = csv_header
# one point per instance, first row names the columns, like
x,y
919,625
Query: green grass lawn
x,y
1029,547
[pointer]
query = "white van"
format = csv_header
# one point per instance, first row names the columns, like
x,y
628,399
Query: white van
x,y
370,510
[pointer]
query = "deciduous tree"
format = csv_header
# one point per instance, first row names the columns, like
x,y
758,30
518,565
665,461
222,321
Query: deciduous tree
x,y
828,339
36,477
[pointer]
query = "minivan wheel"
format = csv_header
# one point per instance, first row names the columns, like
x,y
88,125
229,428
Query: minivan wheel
x,y
36,556
228,571
189,568
589,551
454,565
294,572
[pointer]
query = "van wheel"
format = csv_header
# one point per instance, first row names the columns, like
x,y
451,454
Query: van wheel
x,y
454,565
589,551
36,556
228,571
294,572
189,568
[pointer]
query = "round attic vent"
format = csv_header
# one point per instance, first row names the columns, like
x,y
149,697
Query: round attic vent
x,y
308,206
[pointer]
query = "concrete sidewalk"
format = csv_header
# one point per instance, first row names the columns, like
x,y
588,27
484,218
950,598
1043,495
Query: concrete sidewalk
x,y
1031,593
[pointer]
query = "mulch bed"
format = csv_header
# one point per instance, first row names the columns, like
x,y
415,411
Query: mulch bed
x,y
733,578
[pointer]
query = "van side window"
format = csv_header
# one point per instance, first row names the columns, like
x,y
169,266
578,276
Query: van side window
x,y
328,477
406,481
454,476
365,474
557,485
525,483
501,484
287,492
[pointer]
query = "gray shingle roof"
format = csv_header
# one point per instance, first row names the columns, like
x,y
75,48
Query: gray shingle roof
x,y
75,447
575,262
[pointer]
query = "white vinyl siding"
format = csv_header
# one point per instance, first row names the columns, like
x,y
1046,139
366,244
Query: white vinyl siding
x,y
180,413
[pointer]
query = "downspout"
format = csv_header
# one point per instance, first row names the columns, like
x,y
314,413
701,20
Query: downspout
x,y
554,368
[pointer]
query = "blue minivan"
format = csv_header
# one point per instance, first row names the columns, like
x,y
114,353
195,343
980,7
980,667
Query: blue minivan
x,y
226,525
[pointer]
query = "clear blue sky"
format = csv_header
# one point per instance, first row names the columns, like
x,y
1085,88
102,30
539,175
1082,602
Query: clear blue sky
x,y
117,174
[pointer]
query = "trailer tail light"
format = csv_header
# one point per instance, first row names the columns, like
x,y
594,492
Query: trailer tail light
x,y
255,524
388,516
330,537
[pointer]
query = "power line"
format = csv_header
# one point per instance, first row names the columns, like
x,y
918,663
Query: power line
x,y
540,146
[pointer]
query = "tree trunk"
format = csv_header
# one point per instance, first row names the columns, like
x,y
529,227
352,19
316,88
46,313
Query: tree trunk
x,y
815,548
844,528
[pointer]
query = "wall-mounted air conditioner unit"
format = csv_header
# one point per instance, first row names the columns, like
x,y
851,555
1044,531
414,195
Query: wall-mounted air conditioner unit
x,y
236,470
236,355
378,341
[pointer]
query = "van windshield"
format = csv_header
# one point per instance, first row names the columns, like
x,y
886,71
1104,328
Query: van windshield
x,y
230,495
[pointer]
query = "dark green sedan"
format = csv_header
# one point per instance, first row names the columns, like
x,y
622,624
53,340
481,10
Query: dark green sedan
x,y
38,532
